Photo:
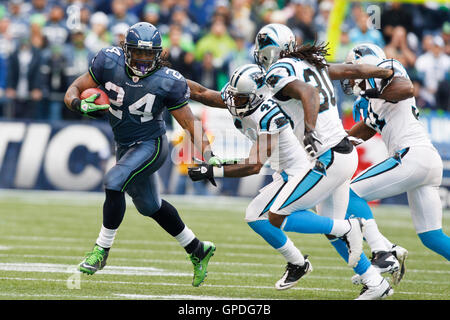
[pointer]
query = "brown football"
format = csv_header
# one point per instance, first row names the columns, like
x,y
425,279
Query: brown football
x,y
102,99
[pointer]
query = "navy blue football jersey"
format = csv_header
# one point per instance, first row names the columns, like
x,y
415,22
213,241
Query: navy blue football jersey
x,y
137,103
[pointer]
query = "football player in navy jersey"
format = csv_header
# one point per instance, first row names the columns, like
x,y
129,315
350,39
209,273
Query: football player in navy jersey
x,y
139,86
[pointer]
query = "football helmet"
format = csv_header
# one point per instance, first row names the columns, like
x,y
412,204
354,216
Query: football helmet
x,y
365,53
365,49
142,48
270,42
246,90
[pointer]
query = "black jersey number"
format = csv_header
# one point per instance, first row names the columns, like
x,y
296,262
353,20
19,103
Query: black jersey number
x,y
325,91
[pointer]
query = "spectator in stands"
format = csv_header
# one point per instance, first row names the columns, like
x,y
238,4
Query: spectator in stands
x,y
398,48
151,14
321,20
202,11
241,13
85,16
78,58
217,41
165,11
180,52
421,96
3,75
54,64
39,7
18,24
446,37
302,22
24,83
99,37
181,18
120,14
119,32
362,33
433,65
395,14
207,76
242,55
7,46
55,30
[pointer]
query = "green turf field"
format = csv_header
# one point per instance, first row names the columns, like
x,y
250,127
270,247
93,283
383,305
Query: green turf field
x,y
43,236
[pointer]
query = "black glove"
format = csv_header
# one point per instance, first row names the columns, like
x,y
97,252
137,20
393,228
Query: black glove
x,y
371,93
309,141
375,93
203,172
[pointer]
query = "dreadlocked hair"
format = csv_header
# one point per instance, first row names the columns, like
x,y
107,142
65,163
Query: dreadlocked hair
x,y
313,53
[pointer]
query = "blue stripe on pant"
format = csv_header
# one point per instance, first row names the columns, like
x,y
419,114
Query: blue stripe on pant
x,y
309,180
382,167
134,173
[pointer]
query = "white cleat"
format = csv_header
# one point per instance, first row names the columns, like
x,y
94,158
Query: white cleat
x,y
401,254
354,240
376,292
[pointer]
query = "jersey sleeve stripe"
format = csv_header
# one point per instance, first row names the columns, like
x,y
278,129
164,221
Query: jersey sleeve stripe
x,y
285,65
177,106
264,123
93,76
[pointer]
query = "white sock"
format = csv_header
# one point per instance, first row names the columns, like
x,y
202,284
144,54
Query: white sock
x,y
185,237
340,227
371,277
374,238
291,253
106,237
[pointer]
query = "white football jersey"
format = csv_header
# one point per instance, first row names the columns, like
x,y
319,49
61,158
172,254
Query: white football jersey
x,y
398,123
328,126
268,118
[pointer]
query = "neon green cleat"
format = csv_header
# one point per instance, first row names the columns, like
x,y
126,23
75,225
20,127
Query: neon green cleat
x,y
94,260
201,263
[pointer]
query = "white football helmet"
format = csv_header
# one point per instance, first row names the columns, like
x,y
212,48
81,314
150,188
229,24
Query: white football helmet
x,y
365,53
246,90
363,50
270,42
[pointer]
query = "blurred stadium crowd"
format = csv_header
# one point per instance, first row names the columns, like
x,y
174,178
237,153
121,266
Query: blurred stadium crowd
x,y
45,44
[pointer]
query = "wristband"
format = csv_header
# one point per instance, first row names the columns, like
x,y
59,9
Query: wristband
x,y
76,104
218,172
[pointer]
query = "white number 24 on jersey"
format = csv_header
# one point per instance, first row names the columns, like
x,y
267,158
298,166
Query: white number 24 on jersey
x,y
147,101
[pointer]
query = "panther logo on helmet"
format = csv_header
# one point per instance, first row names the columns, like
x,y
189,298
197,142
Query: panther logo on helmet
x,y
246,90
271,41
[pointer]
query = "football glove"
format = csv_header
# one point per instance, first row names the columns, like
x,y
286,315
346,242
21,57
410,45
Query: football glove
x,y
204,171
309,142
374,93
360,104
88,108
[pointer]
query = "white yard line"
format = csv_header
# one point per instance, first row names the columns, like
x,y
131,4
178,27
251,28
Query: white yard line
x,y
140,283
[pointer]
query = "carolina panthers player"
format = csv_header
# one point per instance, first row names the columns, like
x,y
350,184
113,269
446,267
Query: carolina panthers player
x,y
414,165
326,184
139,87
260,119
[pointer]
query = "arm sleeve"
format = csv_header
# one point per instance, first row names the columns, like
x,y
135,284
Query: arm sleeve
x,y
279,75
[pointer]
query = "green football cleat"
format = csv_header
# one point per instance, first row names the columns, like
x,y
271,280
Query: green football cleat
x,y
201,263
94,260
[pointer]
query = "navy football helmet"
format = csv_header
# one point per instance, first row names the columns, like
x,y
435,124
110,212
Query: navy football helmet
x,y
142,48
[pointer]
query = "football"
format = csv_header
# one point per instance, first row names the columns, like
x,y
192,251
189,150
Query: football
x,y
102,99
